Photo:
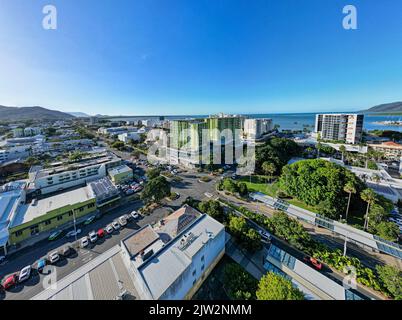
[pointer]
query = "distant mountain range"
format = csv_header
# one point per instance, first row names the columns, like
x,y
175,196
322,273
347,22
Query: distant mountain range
x,y
394,107
31,113
79,114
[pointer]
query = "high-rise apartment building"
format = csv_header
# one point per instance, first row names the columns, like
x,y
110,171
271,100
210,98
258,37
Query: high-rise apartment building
x,y
254,129
189,137
340,127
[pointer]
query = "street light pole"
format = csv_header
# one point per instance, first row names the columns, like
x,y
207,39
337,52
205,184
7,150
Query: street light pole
x,y
345,245
75,227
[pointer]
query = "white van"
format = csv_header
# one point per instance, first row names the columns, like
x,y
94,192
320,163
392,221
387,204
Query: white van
x,y
122,220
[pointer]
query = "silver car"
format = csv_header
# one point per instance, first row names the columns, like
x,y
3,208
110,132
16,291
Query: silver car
x,y
25,273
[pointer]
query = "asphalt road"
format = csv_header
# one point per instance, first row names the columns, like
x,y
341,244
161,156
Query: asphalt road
x,y
189,186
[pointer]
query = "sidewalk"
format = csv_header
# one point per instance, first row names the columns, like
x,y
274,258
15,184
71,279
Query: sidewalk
x,y
42,236
254,264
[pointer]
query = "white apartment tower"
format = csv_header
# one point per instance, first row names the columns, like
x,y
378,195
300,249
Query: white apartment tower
x,y
255,128
340,127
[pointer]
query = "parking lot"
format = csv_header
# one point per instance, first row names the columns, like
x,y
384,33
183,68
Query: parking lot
x,y
78,257
188,186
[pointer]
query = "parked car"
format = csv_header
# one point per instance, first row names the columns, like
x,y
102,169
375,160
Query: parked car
x,y
109,229
89,220
116,225
98,215
55,235
123,221
101,233
313,262
53,257
134,215
25,273
93,237
10,281
84,242
265,235
66,251
129,192
41,265
73,233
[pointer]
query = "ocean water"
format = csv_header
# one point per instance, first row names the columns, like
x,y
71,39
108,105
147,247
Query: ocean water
x,y
296,121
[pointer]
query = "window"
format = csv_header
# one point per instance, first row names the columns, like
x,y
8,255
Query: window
x,y
70,213
194,282
34,230
18,233
91,205
194,273
202,258
47,222
202,267
59,218
81,209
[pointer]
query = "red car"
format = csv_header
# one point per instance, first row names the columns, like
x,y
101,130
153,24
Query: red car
x,y
10,281
101,233
313,262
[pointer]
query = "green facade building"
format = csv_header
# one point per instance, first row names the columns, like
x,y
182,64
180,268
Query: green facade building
x,y
48,214
190,133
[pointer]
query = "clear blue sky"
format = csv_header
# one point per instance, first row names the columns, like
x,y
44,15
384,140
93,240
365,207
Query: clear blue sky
x,y
141,57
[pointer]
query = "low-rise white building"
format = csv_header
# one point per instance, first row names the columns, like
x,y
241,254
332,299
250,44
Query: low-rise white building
x,y
128,136
12,153
61,177
167,262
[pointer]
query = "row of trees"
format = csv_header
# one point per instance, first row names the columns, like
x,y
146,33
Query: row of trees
x,y
248,238
386,279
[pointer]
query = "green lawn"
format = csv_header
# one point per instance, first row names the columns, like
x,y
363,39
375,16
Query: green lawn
x,y
271,189
254,185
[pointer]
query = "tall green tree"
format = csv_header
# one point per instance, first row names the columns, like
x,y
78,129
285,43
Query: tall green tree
x,y
239,283
269,168
391,278
369,196
387,230
275,287
153,173
342,150
349,188
213,208
156,189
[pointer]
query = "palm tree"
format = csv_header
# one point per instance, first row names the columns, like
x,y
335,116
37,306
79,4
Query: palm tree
x,y
342,150
349,188
368,196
